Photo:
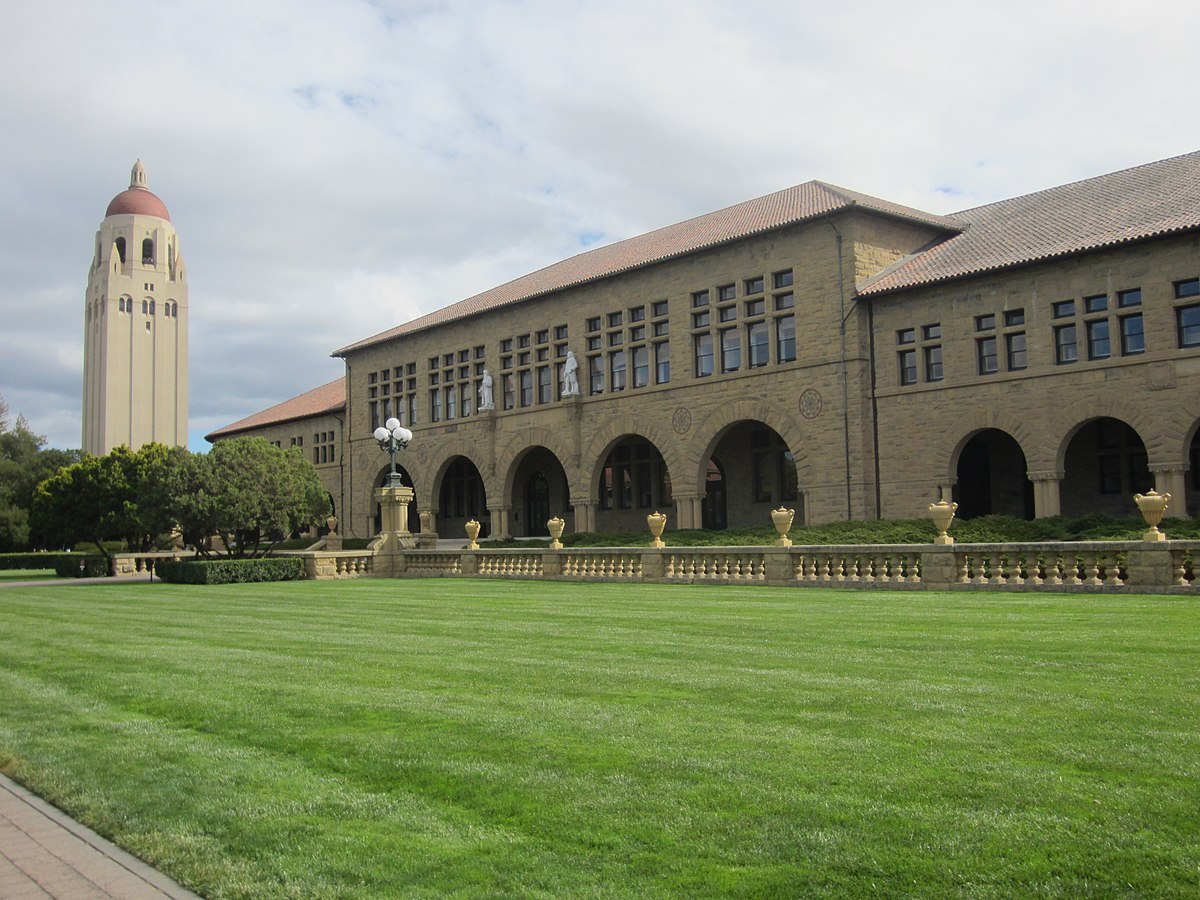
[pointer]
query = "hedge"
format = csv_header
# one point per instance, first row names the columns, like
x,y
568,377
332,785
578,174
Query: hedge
x,y
229,571
34,560
79,565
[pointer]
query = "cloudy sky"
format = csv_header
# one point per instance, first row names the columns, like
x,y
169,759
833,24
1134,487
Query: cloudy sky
x,y
335,168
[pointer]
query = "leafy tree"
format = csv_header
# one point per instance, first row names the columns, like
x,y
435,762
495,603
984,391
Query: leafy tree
x,y
23,463
249,493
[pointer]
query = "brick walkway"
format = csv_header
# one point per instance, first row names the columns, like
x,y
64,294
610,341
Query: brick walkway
x,y
43,853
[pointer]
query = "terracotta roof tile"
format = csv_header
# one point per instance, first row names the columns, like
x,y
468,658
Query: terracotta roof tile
x,y
786,207
328,398
1133,204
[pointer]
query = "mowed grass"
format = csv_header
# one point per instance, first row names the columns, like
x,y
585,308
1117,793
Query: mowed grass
x,y
487,738
26,575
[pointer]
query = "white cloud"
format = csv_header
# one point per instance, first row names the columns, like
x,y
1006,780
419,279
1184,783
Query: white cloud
x,y
336,168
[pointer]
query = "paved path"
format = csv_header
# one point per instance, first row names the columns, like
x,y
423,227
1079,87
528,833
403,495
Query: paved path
x,y
43,853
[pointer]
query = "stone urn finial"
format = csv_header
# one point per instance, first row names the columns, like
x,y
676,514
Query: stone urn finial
x,y
657,522
472,528
1152,507
331,523
556,526
942,514
782,518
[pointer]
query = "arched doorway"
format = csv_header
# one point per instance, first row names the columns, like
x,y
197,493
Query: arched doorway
x,y
991,477
714,516
538,492
462,497
633,482
1104,465
414,517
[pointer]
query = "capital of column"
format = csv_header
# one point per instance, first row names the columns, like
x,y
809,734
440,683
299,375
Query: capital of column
x,y
1044,476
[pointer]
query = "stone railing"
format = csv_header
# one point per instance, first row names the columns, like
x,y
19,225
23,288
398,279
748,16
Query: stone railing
x,y
1094,566
126,565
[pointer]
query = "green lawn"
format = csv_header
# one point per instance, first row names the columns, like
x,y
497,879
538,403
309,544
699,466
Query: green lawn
x,y
431,737
26,574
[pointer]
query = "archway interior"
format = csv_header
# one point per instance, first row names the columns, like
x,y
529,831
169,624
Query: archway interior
x,y
991,478
634,482
414,515
540,492
1104,466
758,474
461,498
1192,504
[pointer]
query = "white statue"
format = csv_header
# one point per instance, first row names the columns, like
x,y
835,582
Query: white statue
x,y
570,385
485,392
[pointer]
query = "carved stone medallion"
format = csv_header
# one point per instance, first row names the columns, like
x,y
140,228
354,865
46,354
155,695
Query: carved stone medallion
x,y
681,421
810,404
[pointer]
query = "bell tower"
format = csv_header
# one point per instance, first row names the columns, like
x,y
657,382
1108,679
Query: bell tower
x,y
135,350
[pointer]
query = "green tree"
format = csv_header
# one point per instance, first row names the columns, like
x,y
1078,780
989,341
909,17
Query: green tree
x,y
24,462
249,493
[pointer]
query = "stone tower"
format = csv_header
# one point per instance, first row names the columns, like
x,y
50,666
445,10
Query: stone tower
x,y
135,349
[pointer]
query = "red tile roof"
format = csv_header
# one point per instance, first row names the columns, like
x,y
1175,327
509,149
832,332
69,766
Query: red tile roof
x,y
1134,204
328,398
787,207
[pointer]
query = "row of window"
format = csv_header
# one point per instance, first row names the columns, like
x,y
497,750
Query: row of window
x,y
323,447
1093,326
632,342
170,308
742,332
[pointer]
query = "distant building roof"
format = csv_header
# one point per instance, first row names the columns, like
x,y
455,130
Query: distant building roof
x,y
328,398
787,207
1134,204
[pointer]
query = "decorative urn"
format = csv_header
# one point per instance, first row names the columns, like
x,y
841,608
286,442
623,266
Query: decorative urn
x,y
331,523
556,526
1152,507
657,522
783,524
472,528
942,514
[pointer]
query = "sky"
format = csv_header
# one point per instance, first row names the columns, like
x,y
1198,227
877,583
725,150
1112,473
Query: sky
x,y
336,168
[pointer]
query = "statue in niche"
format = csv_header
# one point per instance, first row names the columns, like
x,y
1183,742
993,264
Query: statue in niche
x,y
570,383
485,392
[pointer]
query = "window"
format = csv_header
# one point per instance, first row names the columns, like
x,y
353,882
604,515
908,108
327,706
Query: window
x,y
1097,338
1014,346
542,337
727,313
526,377
1188,321
616,338
1189,288
703,350
593,324
595,375
510,391
933,363
523,341
614,319
560,332
731,350
1065,348
726,292
1014,317
659,308
785,301
758,345
700,319
931,332
1096,304
782,279
785,339
435,405
593,342
1126,299
906,336
637,313
545,389
465,395
908,366
985,351
451,403
616,370
755,307
754,285
637,333
1133,340
662,362
985,323
1063,309
661,329
641,366
700,298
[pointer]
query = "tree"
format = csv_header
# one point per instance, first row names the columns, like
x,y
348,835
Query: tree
x,y
24,462
248,492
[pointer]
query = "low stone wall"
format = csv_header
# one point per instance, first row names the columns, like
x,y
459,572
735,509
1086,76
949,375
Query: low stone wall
x,y
126,565
1092,566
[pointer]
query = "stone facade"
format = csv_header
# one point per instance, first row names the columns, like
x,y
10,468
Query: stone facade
x,y
818,360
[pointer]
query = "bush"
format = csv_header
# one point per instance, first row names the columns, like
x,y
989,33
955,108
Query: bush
x,y
78,565
33,560
229,571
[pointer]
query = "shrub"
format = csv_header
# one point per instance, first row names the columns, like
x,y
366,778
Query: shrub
x,y
78,565
32,560
229,571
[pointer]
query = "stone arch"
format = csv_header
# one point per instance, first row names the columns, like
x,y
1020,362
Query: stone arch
x,y
1135,415
627,425
518,446
949,446
708,434
447,453
990,476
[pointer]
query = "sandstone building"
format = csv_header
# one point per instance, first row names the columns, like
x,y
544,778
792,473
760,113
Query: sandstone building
x,y
135,351
816,348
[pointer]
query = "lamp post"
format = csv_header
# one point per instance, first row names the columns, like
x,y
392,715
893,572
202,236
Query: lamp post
x,y
392,436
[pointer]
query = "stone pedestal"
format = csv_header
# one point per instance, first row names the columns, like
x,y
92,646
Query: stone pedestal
x,y
395,538
939,569
1149,566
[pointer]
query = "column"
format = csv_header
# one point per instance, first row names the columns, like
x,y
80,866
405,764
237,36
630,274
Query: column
x,y
500,522
1172,479
1046,499
585,515
689,510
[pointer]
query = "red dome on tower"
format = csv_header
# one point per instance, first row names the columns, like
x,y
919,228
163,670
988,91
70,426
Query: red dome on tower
x,y
137,200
